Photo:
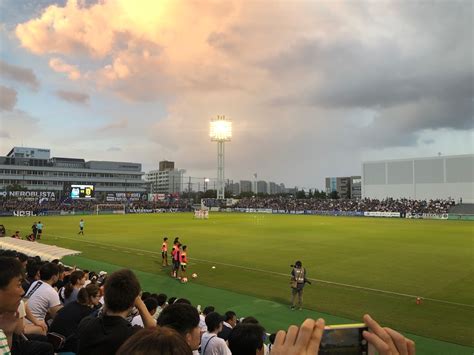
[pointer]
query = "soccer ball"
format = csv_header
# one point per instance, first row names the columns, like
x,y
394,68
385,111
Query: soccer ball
x,y
194,275
184,280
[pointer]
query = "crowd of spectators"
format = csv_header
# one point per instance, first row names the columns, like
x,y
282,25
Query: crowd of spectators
x,y
438,206
46,307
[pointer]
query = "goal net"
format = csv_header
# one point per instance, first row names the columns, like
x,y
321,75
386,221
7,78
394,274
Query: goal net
x,y
110,208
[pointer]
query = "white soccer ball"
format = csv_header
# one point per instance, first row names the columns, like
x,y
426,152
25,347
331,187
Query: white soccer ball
x,y
213,267
184,280
194,275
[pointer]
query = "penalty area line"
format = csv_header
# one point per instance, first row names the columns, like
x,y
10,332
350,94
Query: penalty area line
x,y
277,273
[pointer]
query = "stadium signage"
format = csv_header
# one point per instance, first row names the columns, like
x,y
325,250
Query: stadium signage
x,y
382,214
29,195
23,213
126,196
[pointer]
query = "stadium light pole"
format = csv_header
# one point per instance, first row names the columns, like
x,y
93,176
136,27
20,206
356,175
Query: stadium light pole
x,y
220,132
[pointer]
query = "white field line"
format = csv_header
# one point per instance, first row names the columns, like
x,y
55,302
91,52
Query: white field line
x,y
275,273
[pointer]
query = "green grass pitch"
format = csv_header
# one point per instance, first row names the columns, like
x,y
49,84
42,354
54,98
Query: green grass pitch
x,y
362,264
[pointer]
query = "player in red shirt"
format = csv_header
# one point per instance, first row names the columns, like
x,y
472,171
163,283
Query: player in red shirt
x,y
183,261
164,252
176,259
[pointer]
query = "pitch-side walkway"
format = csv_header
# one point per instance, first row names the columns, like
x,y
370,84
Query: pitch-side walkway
x,y
271,314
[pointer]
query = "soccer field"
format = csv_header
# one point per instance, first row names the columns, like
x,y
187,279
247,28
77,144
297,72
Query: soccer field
x,y
357,265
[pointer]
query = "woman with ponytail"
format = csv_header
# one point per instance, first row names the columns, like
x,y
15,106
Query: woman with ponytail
x,y
69,292
69,317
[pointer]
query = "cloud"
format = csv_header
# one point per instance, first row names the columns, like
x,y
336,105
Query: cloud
x,y
73,96
114,149
20,126
8,98
121,124
22,75
58,65
4,134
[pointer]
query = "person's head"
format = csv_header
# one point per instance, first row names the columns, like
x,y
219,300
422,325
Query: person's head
x,y
298,264
250,319
165,239
23,258
185,320
208,309
32,269
214,322
11,276
76,279
163,341
171,300
145,295
183,300
120,290
161,298
49,273
231,318
151,305
247,338
89,295
184,247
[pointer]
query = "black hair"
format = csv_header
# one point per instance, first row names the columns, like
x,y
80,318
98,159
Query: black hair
x,y
208,309
298,264
48,270
73,279
213,320
171,300
165,239
85,293
161,298
145,295
179,316
184,247
120,290
9,269
22,257
151,304
250,320
246,338
271,338
32,268
229,315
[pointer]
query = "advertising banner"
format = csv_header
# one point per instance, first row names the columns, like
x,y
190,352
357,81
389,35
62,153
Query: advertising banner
x,y
382,214
29,195
23,213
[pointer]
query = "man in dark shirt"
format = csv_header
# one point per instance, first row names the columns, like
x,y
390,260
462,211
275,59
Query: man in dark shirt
x,y
106,333
229,323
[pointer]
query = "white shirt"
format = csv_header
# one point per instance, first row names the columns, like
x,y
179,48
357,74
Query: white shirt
x,y
137,320
202,323
40,298
213,345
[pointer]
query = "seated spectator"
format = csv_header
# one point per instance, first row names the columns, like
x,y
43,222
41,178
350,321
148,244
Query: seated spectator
x,y
11,275
151,305
229,323
106,333
202,318
42,298
34,326
247,338
69,292
16,235
211,344
155,342
32,273
68,318
161,299
183,318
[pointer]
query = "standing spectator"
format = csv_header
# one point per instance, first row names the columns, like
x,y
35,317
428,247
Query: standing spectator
x,y
298,280
230,322
183,318
104,335
211,344
34,231
42,298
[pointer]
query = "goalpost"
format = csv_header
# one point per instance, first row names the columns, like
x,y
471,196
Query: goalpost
x,y
116,208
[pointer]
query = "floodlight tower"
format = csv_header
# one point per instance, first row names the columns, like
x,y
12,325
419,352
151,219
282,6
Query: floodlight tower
x,y
220,132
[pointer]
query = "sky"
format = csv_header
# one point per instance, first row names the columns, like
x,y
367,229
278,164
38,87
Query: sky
x,y
313,88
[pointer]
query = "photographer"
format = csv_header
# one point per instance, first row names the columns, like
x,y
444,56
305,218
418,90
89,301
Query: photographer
x,y
298,280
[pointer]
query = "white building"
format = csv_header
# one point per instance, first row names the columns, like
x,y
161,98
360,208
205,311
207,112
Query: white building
x,y
165,181
420,178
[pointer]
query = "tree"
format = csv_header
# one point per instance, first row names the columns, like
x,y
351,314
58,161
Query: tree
x,y
334,195
16,187
300,194
310,193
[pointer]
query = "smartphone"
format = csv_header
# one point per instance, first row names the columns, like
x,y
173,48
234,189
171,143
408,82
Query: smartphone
x,y
344,339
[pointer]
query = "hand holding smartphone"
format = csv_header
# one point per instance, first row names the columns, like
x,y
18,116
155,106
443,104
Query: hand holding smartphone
x,y
344,339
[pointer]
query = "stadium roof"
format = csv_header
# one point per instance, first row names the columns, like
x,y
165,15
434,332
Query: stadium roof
x,y
44,251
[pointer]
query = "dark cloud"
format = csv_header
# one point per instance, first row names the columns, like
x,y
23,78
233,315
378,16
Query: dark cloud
x,y
73,96
22,75
8,98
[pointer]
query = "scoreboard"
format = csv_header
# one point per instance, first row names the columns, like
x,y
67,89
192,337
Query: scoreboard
x,y
82,191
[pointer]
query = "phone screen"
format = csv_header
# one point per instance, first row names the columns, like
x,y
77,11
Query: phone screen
x,y
344,339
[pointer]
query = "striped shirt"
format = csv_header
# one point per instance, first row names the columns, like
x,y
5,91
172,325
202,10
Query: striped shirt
x,y
4,348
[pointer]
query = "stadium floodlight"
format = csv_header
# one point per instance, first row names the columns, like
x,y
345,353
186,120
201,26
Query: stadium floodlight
x,y
220,132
